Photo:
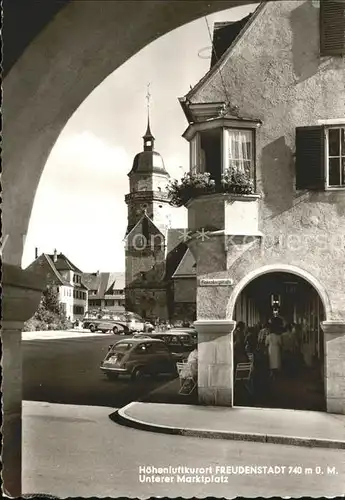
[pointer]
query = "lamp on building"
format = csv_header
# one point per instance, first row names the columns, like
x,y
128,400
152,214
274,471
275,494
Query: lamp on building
x,y
275,303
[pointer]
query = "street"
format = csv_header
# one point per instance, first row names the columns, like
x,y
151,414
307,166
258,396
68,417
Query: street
x,y
67,371
72,451
75,449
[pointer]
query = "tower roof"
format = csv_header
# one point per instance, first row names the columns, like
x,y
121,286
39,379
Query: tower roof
x,y
148,133
148,161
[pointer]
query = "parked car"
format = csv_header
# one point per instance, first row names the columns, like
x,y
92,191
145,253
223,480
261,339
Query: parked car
x,y
177,340
126,323
190,330
141,336
139,357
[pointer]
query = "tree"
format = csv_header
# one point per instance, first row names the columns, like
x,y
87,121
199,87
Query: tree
x,y
49,315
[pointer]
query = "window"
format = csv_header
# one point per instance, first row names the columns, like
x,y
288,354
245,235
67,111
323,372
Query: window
x,y
78,310
332,27
143,348
320,157
239,146
211,153
336,157
159,348
217,149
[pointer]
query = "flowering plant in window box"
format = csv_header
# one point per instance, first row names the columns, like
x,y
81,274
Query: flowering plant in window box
x,y
190,186
237,180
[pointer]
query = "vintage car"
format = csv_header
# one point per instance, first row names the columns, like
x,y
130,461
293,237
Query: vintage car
x,y
177,340
126,322
139,357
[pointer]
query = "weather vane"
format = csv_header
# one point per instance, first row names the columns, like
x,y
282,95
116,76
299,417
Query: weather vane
x,y
148,97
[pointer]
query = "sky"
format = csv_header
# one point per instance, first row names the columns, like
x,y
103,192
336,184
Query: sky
x,y
79,207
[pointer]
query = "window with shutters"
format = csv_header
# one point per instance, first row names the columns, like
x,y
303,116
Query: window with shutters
x,y
320,157
332,27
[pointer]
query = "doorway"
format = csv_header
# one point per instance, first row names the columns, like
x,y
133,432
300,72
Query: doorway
x,y
296,382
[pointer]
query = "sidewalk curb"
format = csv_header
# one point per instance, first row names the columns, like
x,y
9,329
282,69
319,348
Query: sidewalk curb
x,y
122,418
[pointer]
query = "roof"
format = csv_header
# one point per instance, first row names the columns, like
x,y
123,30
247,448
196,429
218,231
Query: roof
x,y
49,259
174,237
144,226
63,263
173,259
186,267
148,162
232,38
103,283
55,271
138,341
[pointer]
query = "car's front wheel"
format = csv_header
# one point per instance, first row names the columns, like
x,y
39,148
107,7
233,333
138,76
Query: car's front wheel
x,y
92,328
115,330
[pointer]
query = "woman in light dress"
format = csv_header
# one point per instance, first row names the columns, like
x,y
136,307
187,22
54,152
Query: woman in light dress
x,y
274,343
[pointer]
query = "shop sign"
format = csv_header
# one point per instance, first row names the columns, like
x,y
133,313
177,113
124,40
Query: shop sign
x,y
216,282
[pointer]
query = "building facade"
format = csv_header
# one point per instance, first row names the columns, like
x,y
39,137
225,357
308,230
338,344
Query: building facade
x,y
62,273
106,291
272,106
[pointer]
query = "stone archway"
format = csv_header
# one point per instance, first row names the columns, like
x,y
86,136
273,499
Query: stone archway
x,y
299,357
294,270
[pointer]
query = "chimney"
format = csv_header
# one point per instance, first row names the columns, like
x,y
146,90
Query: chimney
x,y
55,255
36,252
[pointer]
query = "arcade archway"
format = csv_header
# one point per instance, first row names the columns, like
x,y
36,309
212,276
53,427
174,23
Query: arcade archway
x,y
296,382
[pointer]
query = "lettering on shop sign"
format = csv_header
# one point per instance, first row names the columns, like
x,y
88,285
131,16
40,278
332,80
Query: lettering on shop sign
x,y
216,282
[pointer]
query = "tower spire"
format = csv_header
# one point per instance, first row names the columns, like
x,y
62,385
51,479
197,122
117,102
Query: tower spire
x,y
148,137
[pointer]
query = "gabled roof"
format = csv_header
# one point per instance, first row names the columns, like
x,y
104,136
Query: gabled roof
x,y
103,283
36,264
175,236
63,263
147,227
173,259
187,266
233,42
55,271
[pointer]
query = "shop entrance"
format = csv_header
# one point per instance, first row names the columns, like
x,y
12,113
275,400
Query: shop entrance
x,y
285,370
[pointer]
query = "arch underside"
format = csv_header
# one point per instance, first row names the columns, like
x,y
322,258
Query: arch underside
x,y
280,268
83,44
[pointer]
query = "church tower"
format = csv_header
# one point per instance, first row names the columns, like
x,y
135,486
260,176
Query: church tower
x,y
148,180
147,230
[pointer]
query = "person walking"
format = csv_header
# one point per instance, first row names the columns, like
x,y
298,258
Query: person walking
x,y
274,344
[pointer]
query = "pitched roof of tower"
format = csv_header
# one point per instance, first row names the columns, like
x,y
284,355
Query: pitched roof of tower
x,y
148,161
148,133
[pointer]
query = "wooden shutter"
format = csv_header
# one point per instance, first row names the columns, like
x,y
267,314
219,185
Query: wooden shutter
x,y
332,27
310,158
